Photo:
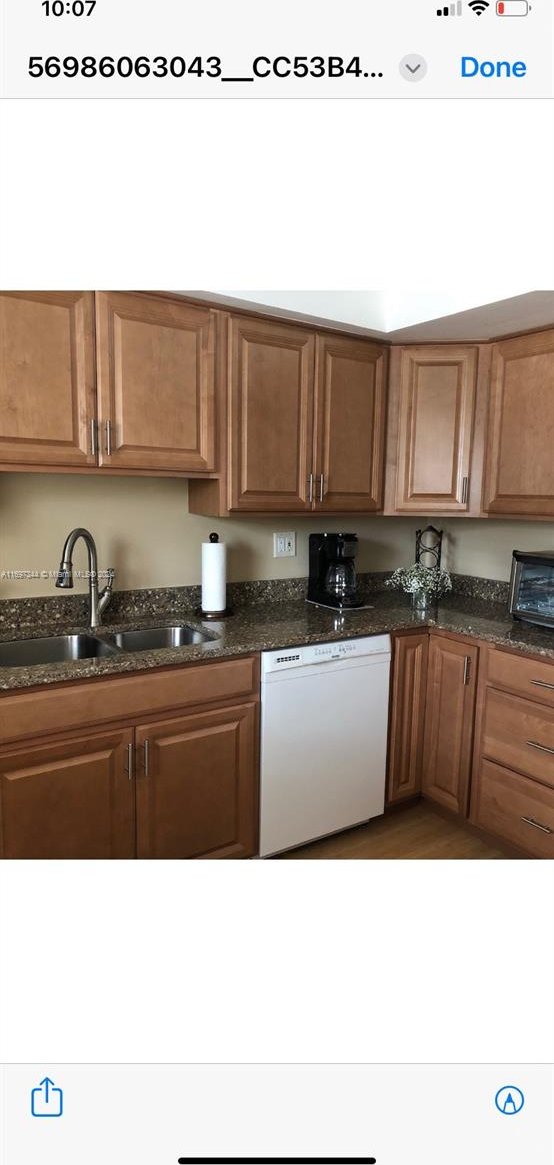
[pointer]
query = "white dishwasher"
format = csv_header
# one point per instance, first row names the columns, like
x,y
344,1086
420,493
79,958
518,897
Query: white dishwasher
x,y
323,739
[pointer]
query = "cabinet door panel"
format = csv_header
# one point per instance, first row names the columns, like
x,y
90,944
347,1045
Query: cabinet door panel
x,y
68,800
197,790
271,401
156,383
437,402
520,447
350,424
47,388
409,677
451,679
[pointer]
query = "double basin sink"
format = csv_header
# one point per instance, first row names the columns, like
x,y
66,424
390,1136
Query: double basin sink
x,y
64,648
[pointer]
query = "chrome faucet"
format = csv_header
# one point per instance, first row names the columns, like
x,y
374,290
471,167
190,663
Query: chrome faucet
x,y
98,602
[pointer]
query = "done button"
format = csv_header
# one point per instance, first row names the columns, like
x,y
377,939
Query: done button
x,y
472,67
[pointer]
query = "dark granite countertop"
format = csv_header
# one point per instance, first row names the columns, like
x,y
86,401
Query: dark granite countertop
x,y
280,624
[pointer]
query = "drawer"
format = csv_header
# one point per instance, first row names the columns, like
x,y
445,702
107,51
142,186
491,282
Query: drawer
x,y
63,707
524,676
515,808
519,734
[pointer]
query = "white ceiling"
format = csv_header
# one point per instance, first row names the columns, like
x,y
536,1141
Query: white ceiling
x,y
409,316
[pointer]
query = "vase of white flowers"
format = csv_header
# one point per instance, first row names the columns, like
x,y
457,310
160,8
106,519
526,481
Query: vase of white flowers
x,y
424,583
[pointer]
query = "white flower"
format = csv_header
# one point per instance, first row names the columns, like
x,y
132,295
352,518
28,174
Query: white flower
x,y
430,579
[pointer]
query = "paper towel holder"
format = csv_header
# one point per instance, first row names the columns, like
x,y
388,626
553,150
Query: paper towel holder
x,y
213,614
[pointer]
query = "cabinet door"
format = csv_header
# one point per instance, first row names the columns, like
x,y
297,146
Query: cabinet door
x,y
451,680
350,424
197,785
520,445
74,799
156,383
47,386
271,401
407,718
437,402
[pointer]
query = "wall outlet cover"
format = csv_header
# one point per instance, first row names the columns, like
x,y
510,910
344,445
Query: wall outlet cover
x,y
284,545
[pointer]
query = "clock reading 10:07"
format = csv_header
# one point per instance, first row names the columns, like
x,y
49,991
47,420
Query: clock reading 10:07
x,y
69,7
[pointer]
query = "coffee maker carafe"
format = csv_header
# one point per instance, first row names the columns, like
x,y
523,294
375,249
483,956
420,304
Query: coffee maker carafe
x,y
332,581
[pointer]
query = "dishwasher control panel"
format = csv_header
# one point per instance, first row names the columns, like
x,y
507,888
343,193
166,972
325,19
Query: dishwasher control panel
x,y
314,653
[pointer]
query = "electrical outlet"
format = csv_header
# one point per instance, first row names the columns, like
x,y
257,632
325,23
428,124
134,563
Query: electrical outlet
x,y
284,545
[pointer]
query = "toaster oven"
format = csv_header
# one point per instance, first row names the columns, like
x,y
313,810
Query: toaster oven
x,y
532,587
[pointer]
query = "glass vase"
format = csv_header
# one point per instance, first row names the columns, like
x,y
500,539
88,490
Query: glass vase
x,y
421,600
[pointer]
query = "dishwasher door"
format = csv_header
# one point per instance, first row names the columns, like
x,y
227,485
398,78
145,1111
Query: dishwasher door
x,y
323,748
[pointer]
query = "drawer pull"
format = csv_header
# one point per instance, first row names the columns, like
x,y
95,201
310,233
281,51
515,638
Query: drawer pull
x,y
542,684
537,825
541,747
467,668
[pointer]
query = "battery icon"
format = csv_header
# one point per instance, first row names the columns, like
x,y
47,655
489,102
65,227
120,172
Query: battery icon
x,y
512,8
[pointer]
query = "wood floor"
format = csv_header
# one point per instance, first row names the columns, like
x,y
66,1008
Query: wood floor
x,y
419,831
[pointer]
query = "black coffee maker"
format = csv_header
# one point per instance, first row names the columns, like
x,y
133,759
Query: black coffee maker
x,y
332,581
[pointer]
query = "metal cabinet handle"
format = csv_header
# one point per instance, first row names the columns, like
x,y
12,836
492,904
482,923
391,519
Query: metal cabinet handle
x,y
467,669
465,489
129,764
536,825
542,684
321,487
94,437
109,438
311,487
146,762
541,747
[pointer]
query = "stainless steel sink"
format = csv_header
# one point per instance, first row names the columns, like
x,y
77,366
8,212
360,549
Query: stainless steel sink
x,y
54,649
151,638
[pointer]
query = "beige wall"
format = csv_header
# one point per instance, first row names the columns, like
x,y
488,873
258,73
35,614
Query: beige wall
x,y
484,546
143,528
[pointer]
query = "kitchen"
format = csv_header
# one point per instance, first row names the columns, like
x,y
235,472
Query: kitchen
x,y
159,720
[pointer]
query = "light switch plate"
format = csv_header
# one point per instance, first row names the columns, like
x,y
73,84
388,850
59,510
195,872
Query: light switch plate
x,y
284,545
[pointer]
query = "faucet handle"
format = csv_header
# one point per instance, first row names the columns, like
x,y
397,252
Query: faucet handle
x,y
106,592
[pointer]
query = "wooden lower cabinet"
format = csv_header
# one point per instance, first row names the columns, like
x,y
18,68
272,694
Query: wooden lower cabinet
x,y
407,716
163,764
73,799
197,785
451,684
518,809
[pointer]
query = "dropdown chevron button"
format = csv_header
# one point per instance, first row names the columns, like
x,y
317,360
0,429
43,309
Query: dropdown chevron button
x,y
413,67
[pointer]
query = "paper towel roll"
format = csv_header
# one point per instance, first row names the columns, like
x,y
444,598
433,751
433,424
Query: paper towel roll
x,y
214,576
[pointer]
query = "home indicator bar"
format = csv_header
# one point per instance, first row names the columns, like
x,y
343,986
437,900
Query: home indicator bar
x,y
277,1161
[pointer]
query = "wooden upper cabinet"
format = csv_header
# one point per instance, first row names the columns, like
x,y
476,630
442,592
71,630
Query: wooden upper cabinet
x,y
437,387
450,710
271,371
520,445
47,378
350,424
156,383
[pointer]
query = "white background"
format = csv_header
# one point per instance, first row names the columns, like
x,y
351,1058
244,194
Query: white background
x,y
261,961
420,195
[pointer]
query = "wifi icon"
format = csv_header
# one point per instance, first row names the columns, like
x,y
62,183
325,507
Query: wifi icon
x,y
478,6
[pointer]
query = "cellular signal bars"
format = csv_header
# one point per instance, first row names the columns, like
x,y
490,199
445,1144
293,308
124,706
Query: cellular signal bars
x,y
451,9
